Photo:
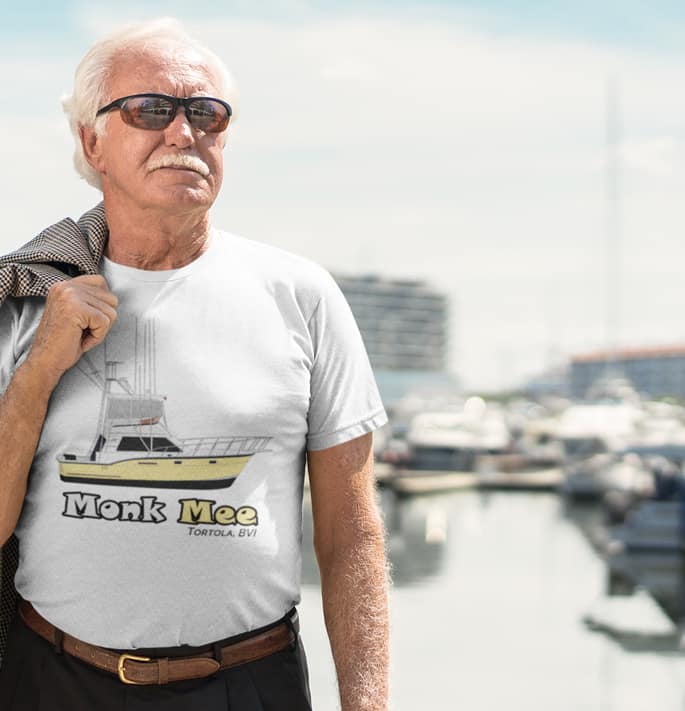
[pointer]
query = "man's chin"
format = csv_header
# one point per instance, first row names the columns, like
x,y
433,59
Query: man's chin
x,y
171,199
188,195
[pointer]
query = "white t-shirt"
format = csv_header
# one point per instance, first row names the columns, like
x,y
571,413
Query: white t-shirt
x,y
164,501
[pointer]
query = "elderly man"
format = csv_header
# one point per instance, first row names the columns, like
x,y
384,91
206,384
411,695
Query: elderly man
x,y
156,420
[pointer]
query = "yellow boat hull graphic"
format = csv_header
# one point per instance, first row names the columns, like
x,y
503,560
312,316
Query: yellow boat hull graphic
x,y
170,472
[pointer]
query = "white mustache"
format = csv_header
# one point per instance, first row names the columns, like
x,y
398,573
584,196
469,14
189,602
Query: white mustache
x,y
179,160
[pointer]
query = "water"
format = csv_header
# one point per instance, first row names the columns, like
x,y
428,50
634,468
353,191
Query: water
x,y
486,613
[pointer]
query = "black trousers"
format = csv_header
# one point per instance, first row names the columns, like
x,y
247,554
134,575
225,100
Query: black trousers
x,y
35,677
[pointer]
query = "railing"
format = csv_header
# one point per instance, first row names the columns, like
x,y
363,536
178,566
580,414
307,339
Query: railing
x,y
223,446
200,446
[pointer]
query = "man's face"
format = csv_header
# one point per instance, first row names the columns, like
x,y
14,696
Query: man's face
x,y
125,155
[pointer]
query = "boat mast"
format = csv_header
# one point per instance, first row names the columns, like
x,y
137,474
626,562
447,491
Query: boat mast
x,y
613,229
106,389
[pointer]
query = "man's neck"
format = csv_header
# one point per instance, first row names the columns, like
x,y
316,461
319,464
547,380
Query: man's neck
x,y
154,240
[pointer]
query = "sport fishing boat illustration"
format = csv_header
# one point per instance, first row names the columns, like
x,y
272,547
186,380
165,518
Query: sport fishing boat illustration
x,y
133,445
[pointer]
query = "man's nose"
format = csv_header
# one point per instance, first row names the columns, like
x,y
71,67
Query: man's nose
x,y
179,132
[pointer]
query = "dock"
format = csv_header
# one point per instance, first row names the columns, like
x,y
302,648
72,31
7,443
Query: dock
x,y
408,482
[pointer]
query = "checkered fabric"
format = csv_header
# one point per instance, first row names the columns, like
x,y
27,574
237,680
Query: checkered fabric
x,y
61,251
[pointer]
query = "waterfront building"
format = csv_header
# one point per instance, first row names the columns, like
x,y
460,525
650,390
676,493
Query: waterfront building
x,y
656,371
404,324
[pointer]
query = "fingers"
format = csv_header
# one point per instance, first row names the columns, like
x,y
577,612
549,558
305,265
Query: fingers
x,y
103,307
94,285
92,279
82,310
96,322
78,315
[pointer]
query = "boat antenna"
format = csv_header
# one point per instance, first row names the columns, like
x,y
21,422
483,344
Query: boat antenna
x,y
93,374
153,356
136,383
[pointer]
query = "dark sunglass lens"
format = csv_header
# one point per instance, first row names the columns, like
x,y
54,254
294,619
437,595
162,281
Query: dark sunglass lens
x,y
208,115
151,112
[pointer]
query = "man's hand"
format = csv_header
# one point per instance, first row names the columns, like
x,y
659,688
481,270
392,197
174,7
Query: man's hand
x,y
78,315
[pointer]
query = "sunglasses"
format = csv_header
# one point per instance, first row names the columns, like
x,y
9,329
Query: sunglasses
x,y
154,112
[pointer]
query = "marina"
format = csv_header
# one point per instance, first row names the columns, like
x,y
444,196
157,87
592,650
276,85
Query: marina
x,y
538,567
500,600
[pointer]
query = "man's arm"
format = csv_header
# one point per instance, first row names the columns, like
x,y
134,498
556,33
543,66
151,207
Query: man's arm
x,y
78,315
22,412
350,549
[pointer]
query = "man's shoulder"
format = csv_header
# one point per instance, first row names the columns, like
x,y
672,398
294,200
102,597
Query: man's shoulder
x,y
275,264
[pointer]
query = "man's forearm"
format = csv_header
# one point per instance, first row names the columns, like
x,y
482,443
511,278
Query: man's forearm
x,y
78,314
355,596
22,413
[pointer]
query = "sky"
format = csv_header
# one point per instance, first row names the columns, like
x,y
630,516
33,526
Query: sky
x,y
460,142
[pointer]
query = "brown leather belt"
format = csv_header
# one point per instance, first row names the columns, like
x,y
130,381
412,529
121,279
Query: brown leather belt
x,y
133,669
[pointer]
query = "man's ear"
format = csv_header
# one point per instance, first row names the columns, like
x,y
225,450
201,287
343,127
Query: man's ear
x,y
92,147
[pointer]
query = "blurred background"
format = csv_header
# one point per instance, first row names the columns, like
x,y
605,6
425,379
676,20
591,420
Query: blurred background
x,y
495,186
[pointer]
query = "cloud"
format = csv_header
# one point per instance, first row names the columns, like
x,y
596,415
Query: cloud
x,y
659,155
416,147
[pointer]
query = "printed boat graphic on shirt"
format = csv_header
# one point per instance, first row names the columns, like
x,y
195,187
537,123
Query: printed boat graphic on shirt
x,y
133,445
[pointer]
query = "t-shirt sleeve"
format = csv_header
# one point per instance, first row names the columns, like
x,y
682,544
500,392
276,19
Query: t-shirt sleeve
x,y
344,398
8,337
19,318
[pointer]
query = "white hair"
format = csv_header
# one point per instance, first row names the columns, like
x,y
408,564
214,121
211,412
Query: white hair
x,y
91,81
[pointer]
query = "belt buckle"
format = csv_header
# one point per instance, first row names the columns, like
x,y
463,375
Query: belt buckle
x,y
121,668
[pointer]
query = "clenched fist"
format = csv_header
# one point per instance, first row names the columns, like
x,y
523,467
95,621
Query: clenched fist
x,y
78,315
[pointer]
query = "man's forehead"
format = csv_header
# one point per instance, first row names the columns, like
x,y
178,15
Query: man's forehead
x,y
166,62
